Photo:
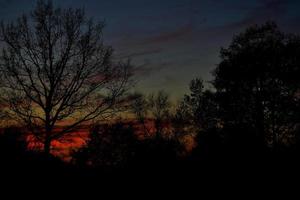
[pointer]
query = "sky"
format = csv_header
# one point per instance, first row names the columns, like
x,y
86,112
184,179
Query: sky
x,y
173,41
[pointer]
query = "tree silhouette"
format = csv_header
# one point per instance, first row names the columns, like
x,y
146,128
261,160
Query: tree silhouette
x,y
109,145
140,109
155,107
257,83
197,111
182,119
161,146
159,107
202,105
55,69
13,144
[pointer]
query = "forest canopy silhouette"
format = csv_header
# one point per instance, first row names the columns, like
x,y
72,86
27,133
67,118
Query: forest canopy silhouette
x,y
57,75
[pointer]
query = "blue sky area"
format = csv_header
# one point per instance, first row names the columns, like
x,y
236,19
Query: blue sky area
x,y
173,41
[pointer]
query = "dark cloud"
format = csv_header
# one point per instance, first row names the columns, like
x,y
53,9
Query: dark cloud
x,y
170,35
269,9
148,67
146,52
10,9
172,40
170,81
266,10
6,3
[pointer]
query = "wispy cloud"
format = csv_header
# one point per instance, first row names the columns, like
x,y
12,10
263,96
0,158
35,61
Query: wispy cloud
x,y
5,3
149,67
266,10
167,36
140,53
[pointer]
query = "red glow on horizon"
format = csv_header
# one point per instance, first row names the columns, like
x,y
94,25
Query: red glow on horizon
x,y
64,147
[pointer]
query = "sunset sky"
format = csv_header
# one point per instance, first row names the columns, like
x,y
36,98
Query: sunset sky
x,y
173,41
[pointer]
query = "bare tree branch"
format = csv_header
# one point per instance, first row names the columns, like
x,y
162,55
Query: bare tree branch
x,y
55,68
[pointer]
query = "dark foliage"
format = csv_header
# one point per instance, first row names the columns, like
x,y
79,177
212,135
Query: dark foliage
x,y
157,152
116,146
248,123
108,146
18,163
258,86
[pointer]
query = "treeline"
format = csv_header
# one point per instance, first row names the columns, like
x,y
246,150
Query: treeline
x,y
253,109
252,112
63,71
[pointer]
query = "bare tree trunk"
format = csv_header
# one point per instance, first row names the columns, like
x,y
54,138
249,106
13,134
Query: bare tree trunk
x,y
47,147
47,143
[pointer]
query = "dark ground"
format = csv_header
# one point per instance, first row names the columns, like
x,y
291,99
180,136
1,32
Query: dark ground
x,y
223,170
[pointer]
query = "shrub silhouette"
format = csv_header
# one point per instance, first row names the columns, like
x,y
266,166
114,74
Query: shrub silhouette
x,y
109,145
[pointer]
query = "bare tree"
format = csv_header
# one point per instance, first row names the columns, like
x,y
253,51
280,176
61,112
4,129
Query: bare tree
x,y
56,70
156,107
159,105
140,108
